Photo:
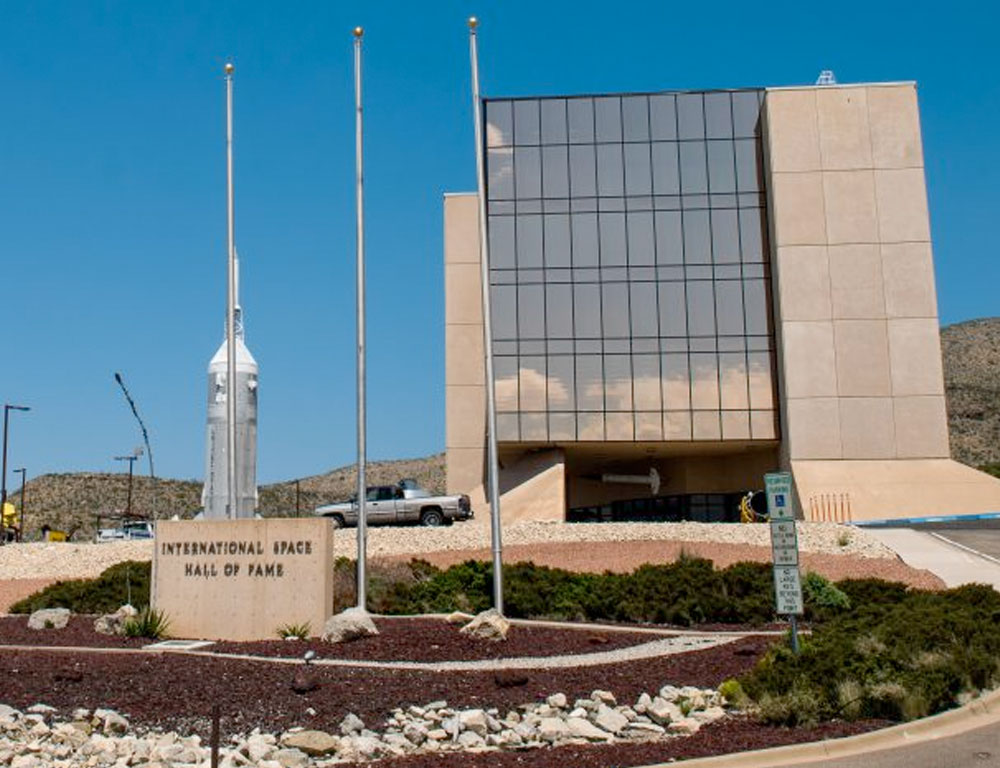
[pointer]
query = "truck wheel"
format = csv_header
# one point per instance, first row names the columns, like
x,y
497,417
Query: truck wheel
x,y
338,521
431,518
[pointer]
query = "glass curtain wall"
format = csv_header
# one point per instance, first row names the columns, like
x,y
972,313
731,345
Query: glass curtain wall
x,y
629,268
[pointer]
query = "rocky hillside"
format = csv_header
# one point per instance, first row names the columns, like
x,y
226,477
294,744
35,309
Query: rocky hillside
x,y
73,502
971,353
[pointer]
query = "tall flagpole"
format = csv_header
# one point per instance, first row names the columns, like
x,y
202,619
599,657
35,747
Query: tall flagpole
x,y
233,497
484,259
362,456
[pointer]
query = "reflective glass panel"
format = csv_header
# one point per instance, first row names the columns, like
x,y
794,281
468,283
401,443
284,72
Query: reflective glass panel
x,y
662,117
557,241
530,312
642,305
559,311
553,121
615,310
581,120
562,426
501,174
608,118
503,304
701,308
666,176
610,170
733,380
587,310
585,250
532,387
527,172
589,383
718,116
646,382
673,309
582,170
505,370
612,234
676,382
618,382
721,167
499,124
534,426
529,241
562,383
697,238
638,180
640,238
635,118
690,116
669,238
526,122
694,171
501,231
555,171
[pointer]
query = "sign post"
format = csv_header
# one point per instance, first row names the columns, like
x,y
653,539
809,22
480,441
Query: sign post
x,y
784,549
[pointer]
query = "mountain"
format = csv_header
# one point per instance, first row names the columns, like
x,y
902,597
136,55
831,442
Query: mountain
x,y
971,354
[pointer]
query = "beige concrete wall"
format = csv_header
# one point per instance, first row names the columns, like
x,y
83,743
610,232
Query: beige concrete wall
x,y
856,313
243,579
465,377
885,489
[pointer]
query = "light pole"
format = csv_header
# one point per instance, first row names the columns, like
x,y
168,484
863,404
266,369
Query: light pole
x,y
7,408
131,458
20,530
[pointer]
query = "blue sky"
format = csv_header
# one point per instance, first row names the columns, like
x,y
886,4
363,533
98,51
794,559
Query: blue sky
x,y
112,190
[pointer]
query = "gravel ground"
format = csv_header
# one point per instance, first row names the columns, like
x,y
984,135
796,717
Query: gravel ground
x,y
61,561
176,691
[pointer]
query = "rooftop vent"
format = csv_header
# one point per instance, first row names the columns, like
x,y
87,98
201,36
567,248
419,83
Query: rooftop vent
x,y
826,77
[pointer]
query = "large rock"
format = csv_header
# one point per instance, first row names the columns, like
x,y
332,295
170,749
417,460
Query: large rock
x,y
313,743
488,625
582,728
610,720
473,720
552,729
49,618
349,625
114,623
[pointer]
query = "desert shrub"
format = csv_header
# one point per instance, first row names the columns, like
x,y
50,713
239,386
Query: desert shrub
x,y
821,598
295,631
897,660
126,582
149,623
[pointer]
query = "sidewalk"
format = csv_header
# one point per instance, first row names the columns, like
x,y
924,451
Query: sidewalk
x,y
954,565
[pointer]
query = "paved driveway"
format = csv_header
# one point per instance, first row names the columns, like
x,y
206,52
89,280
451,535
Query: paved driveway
x,y
975,749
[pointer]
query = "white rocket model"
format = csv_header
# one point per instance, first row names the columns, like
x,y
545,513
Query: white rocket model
x,y
215,494
230,490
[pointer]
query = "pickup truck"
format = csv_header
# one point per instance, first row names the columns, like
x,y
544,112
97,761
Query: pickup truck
x,y
405,502
126,532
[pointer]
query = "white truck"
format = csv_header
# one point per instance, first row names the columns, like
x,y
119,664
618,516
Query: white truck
x,y
400,504
130,531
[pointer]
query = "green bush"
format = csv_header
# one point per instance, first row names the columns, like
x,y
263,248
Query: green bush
x,y
149,623
822,598
105,594
897,660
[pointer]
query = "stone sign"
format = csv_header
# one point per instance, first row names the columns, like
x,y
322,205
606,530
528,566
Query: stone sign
x,y
243,579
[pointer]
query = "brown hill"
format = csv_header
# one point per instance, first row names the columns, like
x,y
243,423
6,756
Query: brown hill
x,y
971,354
73,502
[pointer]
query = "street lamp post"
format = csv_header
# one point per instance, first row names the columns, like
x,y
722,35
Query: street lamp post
x,y
131,462
7,408
24,474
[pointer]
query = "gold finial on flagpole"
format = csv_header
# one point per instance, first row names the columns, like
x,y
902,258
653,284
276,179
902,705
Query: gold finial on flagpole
x,y
473,22
359,31
229,68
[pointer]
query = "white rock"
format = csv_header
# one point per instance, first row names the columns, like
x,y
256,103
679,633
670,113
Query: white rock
x,y
351,724
313,743
642,703
610,720
552,729
684,726
709,715
347,625
114,623
557,700
49,618
41,709
583,729
605,697
291,758
471,740
488,625
647,729
437,734
416,733
473,720
663,712
8,714
459,617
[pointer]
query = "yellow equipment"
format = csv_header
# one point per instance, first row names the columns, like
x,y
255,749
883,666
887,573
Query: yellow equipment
x,y
11,519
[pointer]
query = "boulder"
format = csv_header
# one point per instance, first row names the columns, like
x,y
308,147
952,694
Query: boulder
x,y
582,728
552,729
291,758
488,625
471,740
313,743
557,701
473,720
351,724
610,720
663,712
49,618
349,625
114,623
303,682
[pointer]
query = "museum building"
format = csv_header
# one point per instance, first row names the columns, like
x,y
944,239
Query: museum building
x,y
691,289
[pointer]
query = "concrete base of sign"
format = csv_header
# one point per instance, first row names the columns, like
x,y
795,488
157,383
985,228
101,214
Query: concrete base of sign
x,y
242,579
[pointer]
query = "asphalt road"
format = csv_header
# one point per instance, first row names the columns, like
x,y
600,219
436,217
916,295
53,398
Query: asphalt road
x,y
975,749
985,540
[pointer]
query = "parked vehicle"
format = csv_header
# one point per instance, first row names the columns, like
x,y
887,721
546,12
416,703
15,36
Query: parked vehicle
x,y
399,504
135,530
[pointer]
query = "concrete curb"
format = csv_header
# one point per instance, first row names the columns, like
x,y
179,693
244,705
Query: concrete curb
x,y
981,711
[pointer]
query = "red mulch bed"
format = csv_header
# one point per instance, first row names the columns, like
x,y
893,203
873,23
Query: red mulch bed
x,y
177,692
435,640
78,632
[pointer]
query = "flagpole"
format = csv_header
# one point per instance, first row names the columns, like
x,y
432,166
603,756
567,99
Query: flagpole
x,y
232,498
484,259
362,586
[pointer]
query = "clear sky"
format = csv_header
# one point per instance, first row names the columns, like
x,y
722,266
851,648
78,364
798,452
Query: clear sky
x,y
112,190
